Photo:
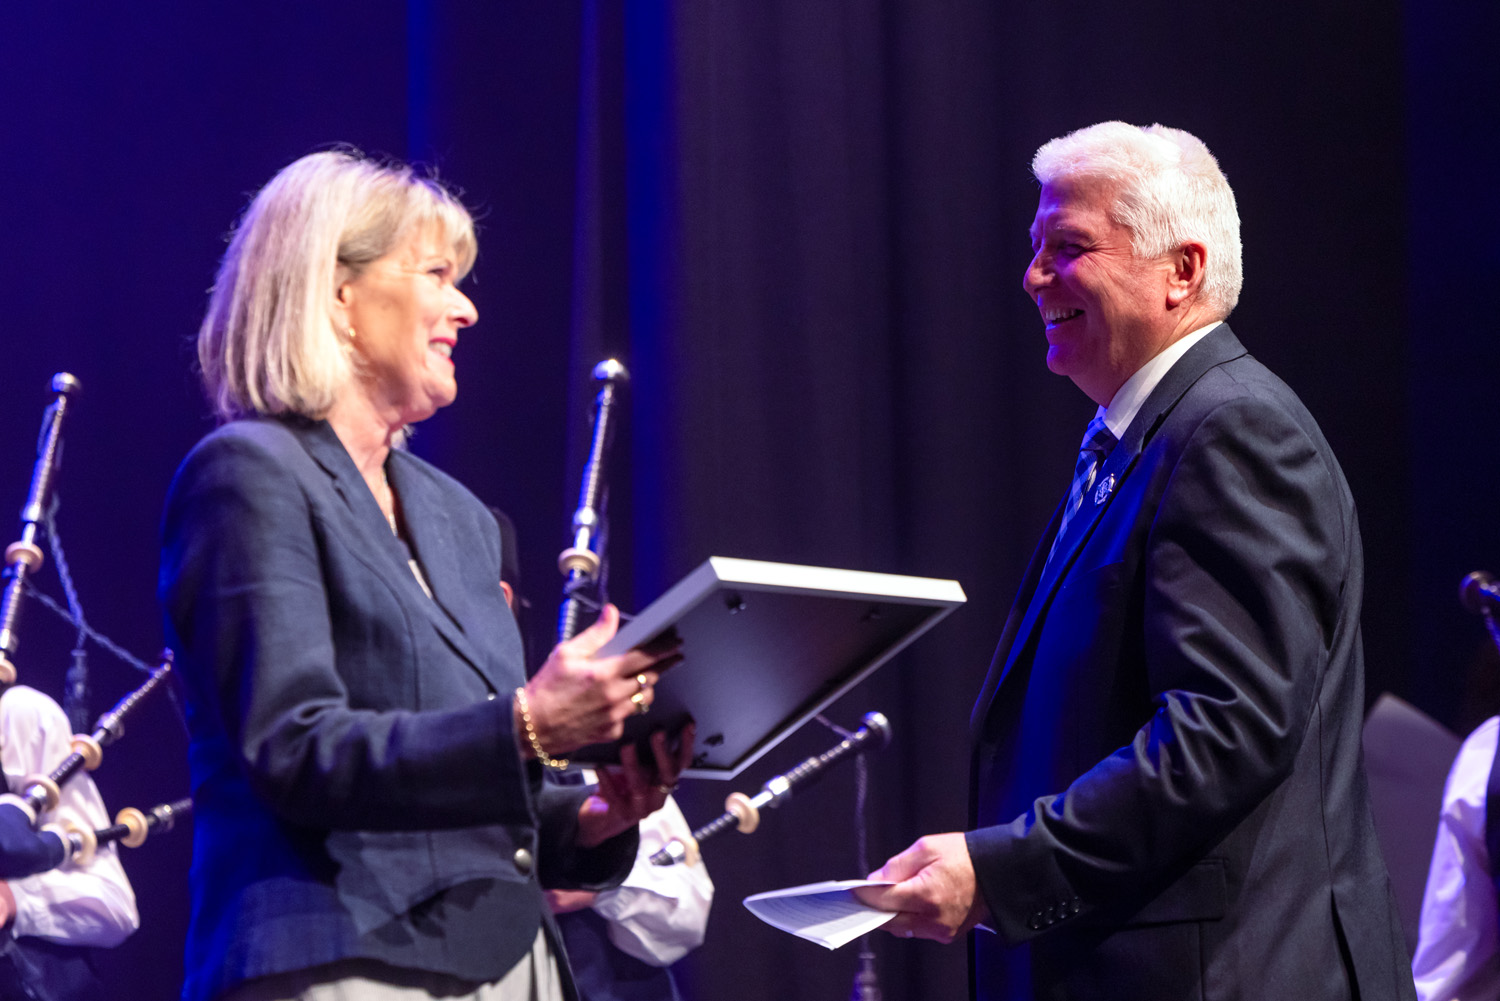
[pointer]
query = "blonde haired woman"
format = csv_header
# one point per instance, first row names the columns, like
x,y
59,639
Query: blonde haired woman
x,y
367,754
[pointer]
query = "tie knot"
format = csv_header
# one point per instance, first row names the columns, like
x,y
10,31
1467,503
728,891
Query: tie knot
x,y
1098,438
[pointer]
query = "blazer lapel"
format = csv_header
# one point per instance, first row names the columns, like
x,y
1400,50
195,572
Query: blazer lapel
x,y
426,522
1218,346
365,519
441,555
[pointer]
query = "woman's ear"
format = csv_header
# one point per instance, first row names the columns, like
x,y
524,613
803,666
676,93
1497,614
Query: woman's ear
x,y
341,307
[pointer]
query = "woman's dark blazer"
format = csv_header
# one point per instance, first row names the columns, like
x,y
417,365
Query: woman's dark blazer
x,y
357,785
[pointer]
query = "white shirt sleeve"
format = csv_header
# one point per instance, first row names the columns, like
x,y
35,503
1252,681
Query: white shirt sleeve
x,y
90,905
660,913
1458,945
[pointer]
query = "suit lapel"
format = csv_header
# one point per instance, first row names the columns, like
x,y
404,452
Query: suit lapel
x,y
1018,613
1106,480
1050,575
428,526
1219,346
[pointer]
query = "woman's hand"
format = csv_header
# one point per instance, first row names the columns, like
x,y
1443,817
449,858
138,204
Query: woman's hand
x,y
576,700
627,794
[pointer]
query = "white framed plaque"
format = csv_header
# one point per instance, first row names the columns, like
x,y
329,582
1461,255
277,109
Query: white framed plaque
x,y
765,647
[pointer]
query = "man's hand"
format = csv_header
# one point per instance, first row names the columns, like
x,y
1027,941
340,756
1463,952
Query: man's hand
x,y
935,895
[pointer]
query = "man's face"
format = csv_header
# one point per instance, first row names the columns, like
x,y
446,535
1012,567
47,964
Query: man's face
x,y
1105,309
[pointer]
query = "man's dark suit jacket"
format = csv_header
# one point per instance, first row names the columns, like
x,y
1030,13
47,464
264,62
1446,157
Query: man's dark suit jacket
x,y
1168,797
357,785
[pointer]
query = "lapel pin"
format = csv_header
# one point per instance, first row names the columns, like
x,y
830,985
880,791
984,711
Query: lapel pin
x,y
1105,489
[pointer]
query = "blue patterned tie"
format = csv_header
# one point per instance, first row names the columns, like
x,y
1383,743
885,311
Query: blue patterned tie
x,y
1098,442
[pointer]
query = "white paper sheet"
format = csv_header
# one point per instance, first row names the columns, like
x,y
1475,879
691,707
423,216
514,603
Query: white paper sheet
x,y
827,913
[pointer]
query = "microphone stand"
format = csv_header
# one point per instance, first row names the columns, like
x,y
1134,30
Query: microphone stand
x,y
866,980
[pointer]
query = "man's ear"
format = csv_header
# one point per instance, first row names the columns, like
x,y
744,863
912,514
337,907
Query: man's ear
x,y
1186,279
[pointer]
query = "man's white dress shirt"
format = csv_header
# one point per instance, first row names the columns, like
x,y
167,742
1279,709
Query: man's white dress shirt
x,y
1131,395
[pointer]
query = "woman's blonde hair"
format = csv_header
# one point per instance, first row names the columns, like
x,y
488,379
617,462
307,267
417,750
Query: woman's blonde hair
x,y
269,343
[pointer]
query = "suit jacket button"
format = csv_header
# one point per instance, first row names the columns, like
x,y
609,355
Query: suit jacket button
x,y
522,861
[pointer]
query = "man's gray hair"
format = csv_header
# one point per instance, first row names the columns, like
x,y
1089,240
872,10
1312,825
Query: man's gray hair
x,y
268,343
1171,192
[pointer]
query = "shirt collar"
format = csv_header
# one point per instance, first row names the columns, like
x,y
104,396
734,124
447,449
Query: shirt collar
x,y
1130,397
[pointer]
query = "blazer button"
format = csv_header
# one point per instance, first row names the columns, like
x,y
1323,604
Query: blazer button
x,y
522,861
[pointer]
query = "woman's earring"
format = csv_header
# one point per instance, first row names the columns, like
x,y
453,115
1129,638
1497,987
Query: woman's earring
x,y
350,332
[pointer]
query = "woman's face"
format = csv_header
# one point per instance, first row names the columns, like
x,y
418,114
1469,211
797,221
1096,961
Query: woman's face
x,y
405,311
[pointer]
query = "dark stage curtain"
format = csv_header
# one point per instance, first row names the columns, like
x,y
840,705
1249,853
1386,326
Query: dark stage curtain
x,y
1453,353
826,212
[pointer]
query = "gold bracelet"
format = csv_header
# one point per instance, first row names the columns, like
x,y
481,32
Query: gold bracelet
x,y
531,737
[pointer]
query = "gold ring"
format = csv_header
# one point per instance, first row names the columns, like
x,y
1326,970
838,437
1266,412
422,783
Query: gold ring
x,y
640,679
639,701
